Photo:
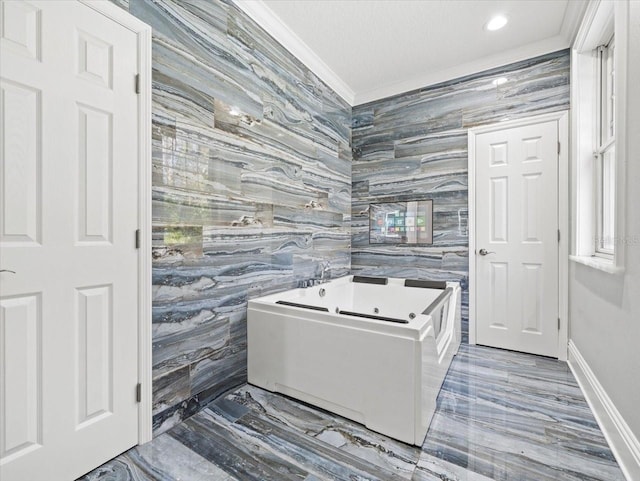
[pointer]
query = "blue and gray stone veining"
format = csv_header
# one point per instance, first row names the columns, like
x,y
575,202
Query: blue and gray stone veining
x,y
251,190
414,145
255,190
501,416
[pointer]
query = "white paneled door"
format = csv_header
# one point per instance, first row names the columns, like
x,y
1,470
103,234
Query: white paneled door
x,y
516,219
68,206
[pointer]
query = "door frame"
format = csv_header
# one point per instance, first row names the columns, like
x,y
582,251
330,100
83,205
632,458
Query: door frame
x,y
143,33
562,119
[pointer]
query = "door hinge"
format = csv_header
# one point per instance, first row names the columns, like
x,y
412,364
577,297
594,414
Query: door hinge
x,y
558,324
137,238
558,148
139,393
137,83
558,235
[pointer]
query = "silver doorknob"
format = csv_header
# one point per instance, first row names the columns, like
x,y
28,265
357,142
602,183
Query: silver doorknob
x,y
7,270
484,252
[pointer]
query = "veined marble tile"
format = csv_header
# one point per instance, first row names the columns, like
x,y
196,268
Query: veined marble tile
x,y
374,448
380,170
283,189
523,417
281,409
395,256
167,459
244,239
421,185
501,416
173,206
163,459
315,456
307,218
241,130
215,439
182,105
500,456
244,258
171,389
432,147
278,70
387,133
176,414
252,41
376,151
359,236
119,469
196,169
414,145
186,31
336,241
210,377
181,337
457,259
281,283
176,241
426,106
430,468
220,373
551,100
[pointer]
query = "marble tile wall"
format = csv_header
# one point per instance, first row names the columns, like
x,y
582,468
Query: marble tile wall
x,y
254,188
251,190
414,146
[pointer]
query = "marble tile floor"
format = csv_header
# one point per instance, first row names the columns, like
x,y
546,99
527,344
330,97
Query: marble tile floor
x,y
501,416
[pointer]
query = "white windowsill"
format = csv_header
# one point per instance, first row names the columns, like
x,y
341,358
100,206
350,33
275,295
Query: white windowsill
x,y
604,265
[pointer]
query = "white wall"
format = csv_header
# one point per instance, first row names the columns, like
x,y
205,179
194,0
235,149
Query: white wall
x,y
604,309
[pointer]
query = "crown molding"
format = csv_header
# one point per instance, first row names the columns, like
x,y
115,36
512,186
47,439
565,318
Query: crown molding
x,y
573,16
596,25
525,52
274,26
259,12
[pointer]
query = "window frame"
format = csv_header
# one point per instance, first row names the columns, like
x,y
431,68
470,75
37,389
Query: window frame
x,y
604,239
602,20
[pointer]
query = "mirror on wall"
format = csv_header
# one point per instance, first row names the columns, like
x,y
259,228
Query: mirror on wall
x,y
404,223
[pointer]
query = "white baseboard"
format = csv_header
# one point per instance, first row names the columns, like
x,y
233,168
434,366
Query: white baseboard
x,y
622,441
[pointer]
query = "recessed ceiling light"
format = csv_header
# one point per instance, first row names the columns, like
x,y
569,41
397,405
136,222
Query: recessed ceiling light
x,y
499,81
496,23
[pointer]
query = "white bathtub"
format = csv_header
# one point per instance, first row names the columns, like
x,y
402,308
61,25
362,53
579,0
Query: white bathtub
x,y
385,374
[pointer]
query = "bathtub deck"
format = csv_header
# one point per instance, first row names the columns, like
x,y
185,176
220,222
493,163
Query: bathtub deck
x,y
501,416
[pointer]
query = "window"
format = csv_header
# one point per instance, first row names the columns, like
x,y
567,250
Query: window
x,y
605,151
598,104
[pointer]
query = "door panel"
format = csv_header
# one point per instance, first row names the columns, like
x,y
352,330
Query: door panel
x,y
94,353
532,293
21,170
516,224
95,213
21,388
499,301
499,209
69,177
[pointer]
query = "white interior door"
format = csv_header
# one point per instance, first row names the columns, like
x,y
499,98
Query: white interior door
x,y
69,180
516,212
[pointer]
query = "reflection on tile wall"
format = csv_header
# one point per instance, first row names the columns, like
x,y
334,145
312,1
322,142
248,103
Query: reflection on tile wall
x,y
251,190
414,145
